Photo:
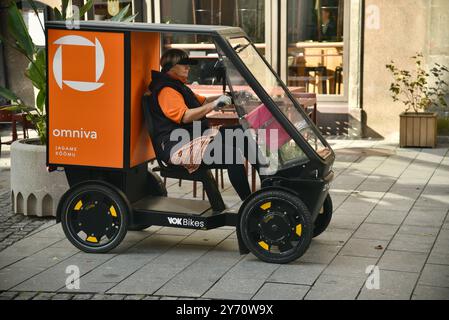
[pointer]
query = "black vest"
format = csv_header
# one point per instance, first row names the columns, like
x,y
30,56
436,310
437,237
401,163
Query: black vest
x,y
163,126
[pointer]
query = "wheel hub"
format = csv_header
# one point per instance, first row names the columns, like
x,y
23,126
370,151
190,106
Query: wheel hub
x,y
95,220
275,227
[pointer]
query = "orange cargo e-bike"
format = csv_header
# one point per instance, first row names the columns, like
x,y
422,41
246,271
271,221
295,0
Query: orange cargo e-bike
x,y
99,132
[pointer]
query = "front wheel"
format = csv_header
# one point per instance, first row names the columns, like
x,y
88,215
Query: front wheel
x,y
276,226
94,217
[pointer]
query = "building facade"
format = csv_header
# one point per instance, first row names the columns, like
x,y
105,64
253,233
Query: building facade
x,y
337,49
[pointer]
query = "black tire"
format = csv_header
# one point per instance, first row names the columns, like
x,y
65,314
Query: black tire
x,y
324,217
280,235
97,213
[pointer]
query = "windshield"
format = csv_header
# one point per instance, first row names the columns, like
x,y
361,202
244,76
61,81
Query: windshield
x,y
257,66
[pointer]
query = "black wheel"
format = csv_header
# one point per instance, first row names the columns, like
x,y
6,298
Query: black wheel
x,y
324,217
94,217
276,226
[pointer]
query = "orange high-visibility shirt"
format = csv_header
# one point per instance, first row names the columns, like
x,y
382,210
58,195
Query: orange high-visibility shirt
x,y
172,103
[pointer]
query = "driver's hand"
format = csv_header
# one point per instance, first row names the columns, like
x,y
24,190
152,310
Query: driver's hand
x,y
222,101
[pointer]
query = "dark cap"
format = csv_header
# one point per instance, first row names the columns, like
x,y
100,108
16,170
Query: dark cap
x,y
173,57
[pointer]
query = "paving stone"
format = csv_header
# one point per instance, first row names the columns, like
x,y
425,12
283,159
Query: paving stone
x,y
435,275
335,287
430,293
402,261
281,291
393,285
151,298
297,273
433,201
54,277
410,238
168,298
376,231
25,296
349,266
320,253
175,231
333,236
364,248
382,216
393,201
82,297
134,297
8,295
426,217
250,274
118,268
347,221
207,238
440,250
159,271
197,278
419,230
376,184
44,296
14,274
108,297
62,296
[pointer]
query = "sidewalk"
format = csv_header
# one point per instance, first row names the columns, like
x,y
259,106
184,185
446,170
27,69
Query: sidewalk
x,y
390,210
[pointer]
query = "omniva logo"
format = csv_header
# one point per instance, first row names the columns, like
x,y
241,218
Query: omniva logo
x,y
58,63
186,222
80,134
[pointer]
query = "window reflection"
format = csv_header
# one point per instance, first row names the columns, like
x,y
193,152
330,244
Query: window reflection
x,y
315,45
246,14
106,9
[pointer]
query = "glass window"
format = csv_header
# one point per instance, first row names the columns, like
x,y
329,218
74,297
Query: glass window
x,y
254,113
247,14
106,9
315,45
34,22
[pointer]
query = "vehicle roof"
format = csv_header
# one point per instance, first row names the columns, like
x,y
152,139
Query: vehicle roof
x,y
212,30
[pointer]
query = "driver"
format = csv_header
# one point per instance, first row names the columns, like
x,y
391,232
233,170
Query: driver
x,y
175,106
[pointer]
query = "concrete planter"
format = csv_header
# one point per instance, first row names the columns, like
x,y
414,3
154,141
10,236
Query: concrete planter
x,y
34,191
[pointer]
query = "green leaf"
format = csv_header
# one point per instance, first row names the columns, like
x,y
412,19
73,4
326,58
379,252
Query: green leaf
x,y
36,70
17,108
122,13
19,31
130,18
40,100
58,15
33,5
86,7
8,94
64,8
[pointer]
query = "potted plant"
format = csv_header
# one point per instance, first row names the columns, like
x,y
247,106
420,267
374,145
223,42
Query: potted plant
x,y
419,93
34,190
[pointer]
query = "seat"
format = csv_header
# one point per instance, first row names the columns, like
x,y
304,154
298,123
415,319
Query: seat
x,y
178,172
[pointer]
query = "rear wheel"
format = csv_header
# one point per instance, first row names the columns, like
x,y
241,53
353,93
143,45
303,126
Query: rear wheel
x,y
94,217
324,217
276,226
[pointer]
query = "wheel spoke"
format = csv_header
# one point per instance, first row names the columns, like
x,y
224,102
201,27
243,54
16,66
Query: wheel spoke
x,y
110,233
285,246
253,225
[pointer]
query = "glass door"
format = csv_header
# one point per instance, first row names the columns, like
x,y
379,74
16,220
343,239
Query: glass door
x,y
313,49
